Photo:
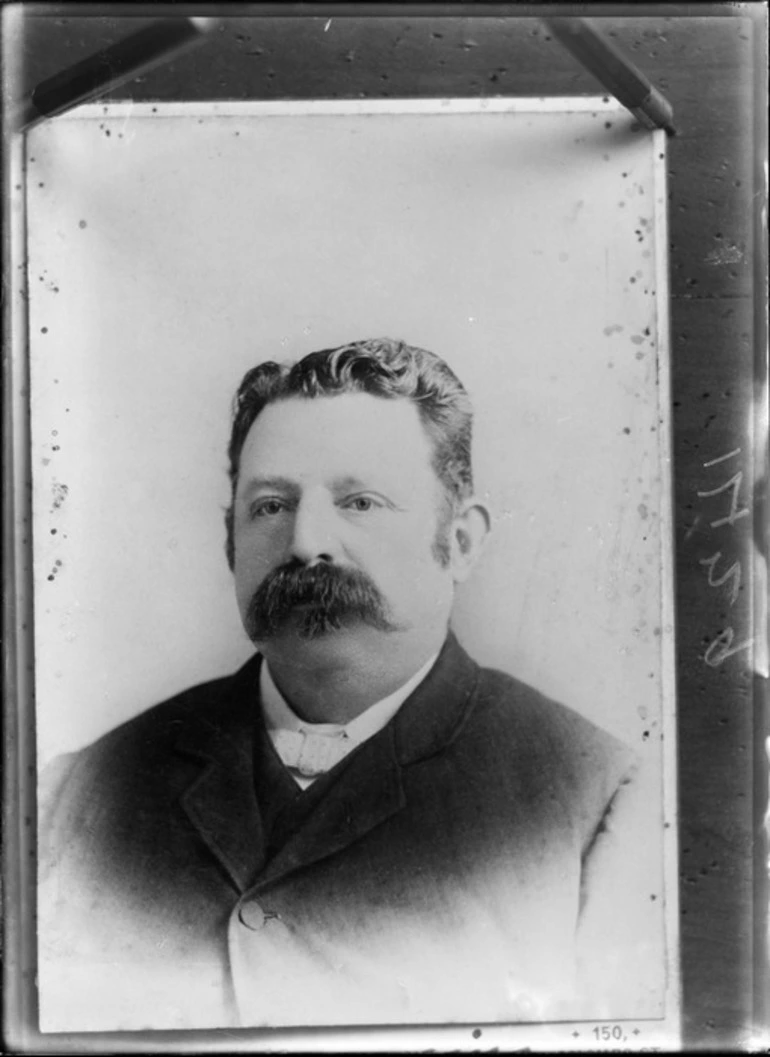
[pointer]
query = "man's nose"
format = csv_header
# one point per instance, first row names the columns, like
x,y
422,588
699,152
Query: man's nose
x,y
315,531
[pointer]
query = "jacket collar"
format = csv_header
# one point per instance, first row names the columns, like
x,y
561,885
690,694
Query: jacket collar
x,y
363,792
433,715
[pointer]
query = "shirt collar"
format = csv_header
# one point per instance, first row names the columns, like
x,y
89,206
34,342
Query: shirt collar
x,y
280,716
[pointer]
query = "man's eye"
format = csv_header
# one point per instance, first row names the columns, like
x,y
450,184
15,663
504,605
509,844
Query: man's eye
x,y
267,508
361,503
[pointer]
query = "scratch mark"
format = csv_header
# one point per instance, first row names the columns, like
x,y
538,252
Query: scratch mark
x,y
692,527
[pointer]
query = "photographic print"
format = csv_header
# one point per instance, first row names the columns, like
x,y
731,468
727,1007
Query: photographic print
x,y
352,565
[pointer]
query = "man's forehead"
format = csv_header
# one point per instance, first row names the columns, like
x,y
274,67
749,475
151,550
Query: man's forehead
x,y
348,422
354,437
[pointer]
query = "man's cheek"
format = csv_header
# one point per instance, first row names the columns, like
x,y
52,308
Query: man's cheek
x,y
250,571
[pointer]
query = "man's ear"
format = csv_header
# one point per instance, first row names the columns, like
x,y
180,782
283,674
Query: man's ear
x,y
468,535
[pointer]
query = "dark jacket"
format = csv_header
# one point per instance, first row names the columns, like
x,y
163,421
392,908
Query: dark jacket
x,y
464,864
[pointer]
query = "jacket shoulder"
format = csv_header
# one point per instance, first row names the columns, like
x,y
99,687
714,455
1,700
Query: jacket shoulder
x,y
543,725
548,748
153,729
134,763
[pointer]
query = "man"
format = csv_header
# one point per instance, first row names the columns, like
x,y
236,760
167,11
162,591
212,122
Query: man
x,y
361,825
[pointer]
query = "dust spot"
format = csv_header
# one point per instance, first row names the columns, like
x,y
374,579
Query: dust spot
x,y
643,511
627,430
614,328
575,211
724,255
476,1033
637,339
60,493
44,330
82,224
563,257
639,355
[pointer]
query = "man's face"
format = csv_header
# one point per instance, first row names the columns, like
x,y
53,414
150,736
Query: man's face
x,y
343,482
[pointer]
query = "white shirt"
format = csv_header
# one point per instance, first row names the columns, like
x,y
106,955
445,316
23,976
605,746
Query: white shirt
x,y
311,749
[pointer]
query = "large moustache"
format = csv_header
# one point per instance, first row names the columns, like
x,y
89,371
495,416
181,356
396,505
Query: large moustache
x,y
317,598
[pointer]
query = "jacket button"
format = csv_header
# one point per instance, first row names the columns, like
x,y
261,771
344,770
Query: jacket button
x,y
251,915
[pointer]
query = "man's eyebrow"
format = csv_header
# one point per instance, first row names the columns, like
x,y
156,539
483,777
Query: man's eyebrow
x,y
345,483
351,481
269,484
385,489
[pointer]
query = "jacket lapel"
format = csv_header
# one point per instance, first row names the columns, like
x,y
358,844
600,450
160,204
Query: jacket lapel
x,y
221,803
364,791
367,788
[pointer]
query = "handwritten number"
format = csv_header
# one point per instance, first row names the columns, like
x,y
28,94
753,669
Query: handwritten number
x,y
723,645
734,571
735,514
722,458
722,648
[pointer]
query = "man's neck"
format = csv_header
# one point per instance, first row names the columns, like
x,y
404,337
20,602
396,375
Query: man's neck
x,y
336,681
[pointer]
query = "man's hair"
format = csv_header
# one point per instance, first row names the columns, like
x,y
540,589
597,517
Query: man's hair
x,y
381,367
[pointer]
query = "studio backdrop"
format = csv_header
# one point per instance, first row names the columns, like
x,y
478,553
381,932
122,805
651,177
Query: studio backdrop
x,y
173,247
